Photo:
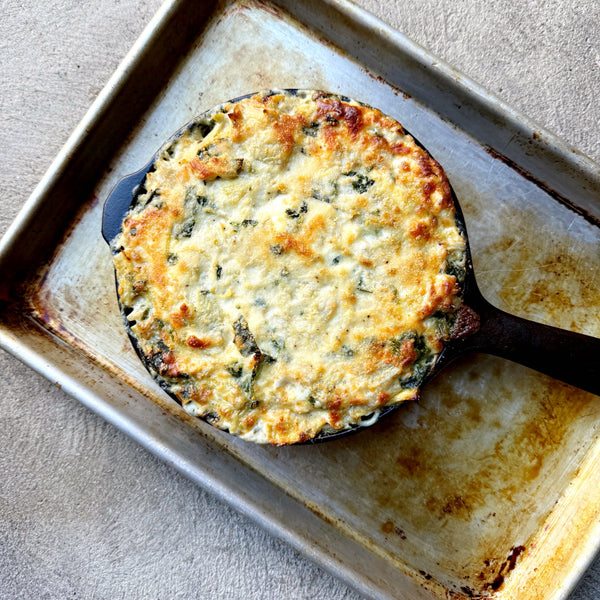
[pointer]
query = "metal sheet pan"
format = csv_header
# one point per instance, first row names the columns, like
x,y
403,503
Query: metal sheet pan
x,y
486,486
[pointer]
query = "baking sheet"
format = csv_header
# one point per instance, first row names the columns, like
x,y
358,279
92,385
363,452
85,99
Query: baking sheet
x,y
465,493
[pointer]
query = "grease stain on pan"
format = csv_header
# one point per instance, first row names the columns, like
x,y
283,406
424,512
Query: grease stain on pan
x,y
537,263
450,485
563,290
470,462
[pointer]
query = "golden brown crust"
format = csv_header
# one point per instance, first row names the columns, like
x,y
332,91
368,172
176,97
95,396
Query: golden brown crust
x,y
291,265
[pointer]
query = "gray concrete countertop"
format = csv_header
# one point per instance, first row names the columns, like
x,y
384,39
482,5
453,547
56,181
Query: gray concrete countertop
x,y
84,511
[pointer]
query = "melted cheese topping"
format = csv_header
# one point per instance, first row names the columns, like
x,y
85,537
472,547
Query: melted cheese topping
x,y
290,265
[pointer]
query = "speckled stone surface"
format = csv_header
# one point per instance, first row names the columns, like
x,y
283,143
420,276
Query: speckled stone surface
x,y
84,511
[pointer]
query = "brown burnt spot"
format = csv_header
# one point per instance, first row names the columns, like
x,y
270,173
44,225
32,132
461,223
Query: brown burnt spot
x,y
303,436
467,323
447,198
354,120
250,421
335,416
515,552
455,505
430,168
334,404
426,164
331,108
383,398
428,188
180,316
374,149
335,413
387,527
468,592
286,129
505,568
497,583
165,363
195,342
288,242
420,230
400,148
236,117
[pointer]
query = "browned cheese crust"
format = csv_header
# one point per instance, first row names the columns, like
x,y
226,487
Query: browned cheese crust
x,y
291,265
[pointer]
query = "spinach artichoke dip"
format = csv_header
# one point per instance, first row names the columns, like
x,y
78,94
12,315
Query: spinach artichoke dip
x,y
291,265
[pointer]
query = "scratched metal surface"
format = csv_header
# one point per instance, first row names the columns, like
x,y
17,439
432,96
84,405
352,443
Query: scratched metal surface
x,y
452,493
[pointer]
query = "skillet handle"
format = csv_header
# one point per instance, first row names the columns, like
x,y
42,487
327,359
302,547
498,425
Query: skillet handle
x,y
118,202
565,355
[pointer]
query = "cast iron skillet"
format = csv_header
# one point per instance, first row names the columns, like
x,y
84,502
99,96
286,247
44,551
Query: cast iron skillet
x,y
565,355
